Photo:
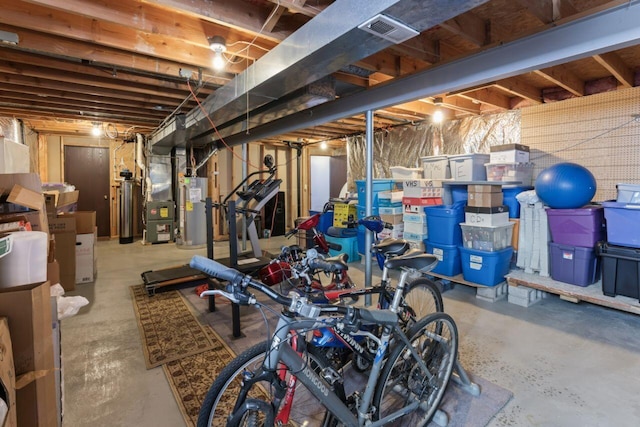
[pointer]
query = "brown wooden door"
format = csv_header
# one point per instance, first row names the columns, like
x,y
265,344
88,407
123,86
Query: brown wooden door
x,y
87,168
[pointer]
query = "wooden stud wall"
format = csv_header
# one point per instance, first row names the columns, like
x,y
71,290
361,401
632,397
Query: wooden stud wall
x,y
600,132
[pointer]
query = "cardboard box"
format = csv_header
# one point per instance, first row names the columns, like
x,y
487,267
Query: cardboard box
x,y
480,188
36,399
58,202
53,272
7,374
28,308
64,230
85,221
20,195
86,257
27,184
485,199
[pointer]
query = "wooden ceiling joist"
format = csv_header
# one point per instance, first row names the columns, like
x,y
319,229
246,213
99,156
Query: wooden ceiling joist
x,y
617,67
564,78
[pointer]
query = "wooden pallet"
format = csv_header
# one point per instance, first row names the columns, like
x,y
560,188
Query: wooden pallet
x,y
456,279
592,294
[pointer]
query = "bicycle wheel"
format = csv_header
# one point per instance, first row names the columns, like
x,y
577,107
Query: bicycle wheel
x,y
402,382
223,394
421,297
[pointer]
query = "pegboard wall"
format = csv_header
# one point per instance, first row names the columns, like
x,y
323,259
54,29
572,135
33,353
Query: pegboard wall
x,y
600,132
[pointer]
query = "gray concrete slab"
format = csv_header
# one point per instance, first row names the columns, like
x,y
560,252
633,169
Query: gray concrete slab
x,y
567,364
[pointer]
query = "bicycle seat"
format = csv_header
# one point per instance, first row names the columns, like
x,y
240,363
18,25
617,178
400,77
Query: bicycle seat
x,y
339,260
391,246
414,259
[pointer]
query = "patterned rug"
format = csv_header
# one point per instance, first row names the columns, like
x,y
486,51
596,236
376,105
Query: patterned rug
x,y
168,328
191,377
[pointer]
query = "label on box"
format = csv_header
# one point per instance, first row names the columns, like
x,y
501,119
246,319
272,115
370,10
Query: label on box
x,y
419,217
390,211
567,255
438,253
476,259
475,266
421,183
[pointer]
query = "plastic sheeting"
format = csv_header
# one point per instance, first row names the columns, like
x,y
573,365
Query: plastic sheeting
x,y
404,145
10,129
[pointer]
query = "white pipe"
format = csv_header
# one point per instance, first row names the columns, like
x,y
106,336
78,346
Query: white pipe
x,y
139,152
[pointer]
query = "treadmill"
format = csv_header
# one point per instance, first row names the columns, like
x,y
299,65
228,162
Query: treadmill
x,y
247,205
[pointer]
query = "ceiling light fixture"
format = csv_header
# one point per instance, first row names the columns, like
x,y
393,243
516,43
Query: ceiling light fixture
x,y
437,116
218,45
96,130
437,101
323,145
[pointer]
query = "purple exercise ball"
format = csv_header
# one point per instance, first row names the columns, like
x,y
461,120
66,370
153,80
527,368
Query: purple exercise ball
x,y
566,186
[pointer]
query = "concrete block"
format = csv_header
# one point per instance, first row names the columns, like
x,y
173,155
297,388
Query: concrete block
x,y
524,296
493,293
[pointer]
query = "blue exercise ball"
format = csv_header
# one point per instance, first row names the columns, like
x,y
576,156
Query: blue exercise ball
x,y
566,186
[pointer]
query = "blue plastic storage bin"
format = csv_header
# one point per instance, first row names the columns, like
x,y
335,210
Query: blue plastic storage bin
x,y
361,211
378,185
326,220
509,195
485,268
448,258
622,223
349,247
458,193
443,223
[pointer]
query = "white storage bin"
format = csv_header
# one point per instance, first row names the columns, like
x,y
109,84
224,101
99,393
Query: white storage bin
x,y
509,153
436,167
511,172
400,172
628,193
487,238
468,167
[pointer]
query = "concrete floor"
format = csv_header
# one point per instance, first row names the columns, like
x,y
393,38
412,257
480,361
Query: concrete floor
x,y
567,364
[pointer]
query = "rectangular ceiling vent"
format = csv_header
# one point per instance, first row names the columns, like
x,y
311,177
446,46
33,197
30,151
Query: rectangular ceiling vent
x,y
388,28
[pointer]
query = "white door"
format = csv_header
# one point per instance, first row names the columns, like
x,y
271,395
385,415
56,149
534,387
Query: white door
x,y
320,182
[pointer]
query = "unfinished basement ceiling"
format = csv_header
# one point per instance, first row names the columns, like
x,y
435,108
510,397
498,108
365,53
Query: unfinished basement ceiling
x,y
126,62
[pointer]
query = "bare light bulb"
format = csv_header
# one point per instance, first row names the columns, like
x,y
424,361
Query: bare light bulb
x,y
438,116
218,61
96,130
323,145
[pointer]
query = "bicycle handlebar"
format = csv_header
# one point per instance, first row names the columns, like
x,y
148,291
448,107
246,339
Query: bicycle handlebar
x,y
237,292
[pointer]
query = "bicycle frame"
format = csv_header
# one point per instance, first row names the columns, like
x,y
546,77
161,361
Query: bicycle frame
x,y
281,351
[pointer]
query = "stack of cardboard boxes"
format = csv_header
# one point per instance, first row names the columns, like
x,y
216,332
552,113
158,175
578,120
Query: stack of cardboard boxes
x,y
487,236
28,307
419,193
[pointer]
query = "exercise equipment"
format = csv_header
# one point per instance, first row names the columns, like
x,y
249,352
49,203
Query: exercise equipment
x,y
565,186
248,205
243,210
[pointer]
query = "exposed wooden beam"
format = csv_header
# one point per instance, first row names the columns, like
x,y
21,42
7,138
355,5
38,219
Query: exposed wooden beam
x,y
104,33
468,26
517,87
298,6
115,102
58,46
44,83
10,111
28,101
489,97
548,11
563,77
231,13
26,58
616,66
273,18
421,47
88,80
